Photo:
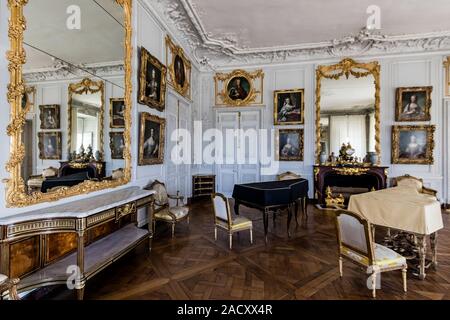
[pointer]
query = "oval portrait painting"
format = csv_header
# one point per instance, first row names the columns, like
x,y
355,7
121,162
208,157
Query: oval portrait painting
x,y
179,71
238,88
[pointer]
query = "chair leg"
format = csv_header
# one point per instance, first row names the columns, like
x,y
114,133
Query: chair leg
x,y
188,222
154,226
251,236
173,230
374,285
231,241
404,274
341,267
215,233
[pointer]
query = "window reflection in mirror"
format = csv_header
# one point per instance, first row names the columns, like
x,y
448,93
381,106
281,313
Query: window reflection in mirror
x,y
347,115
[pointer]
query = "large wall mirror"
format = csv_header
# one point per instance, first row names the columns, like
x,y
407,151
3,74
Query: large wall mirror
x,y
348,111
70,96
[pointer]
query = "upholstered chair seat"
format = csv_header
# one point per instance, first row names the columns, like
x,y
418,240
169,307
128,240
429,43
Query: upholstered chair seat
x,y
225,221
168,208
354,234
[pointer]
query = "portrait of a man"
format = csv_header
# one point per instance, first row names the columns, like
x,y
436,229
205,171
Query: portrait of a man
x,y
289,107
238,88
413,104
151,143
290,145
117,106
117,145
412,144
50,145
50,117
179,71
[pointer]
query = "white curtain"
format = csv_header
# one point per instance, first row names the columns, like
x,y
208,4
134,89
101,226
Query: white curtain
x,y
344,129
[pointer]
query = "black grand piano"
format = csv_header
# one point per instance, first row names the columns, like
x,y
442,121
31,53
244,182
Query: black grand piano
x,y
272,195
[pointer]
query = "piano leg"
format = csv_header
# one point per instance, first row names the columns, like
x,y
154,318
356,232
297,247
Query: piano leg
x,y
236,207
290,207
266,222
305,207
296,210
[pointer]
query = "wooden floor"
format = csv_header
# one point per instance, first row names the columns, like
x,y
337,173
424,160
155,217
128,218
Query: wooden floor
x,y
194,266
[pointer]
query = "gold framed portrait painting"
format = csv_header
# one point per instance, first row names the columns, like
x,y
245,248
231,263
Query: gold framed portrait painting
x,y
152,81
239,88
289,144
413,104
50,117
117,145
151,139
413,144
117,112
289,106
179,69
50,146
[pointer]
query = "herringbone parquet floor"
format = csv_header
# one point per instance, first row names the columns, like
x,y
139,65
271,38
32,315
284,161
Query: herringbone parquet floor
x,y
194,266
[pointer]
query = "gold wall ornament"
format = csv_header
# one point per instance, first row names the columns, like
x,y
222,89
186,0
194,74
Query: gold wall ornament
x,y
179,67
152,87
239,88
346,68
347,171
86,86
402,155
16,194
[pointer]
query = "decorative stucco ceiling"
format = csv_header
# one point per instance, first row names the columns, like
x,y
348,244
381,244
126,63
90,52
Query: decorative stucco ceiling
x,y
230,33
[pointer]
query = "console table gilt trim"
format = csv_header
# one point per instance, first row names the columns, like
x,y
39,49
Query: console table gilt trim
x,y
71,243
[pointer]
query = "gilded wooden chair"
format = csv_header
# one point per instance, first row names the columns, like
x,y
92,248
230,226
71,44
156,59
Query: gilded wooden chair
x,y
8,286
354,234
416,183
168,208
288,175
225,221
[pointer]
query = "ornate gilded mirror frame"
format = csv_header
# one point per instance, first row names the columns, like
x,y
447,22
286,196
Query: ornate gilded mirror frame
x,y
86,86
16,195
346,68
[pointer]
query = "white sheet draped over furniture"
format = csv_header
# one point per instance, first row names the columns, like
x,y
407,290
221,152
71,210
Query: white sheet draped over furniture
x,y
403,208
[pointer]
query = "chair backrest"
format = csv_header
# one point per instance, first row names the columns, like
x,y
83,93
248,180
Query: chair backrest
x,y
49,172
161,197
354,237
288,176
221,206
408,181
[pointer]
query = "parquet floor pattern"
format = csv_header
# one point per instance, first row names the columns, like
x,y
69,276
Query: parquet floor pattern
x,y
194,266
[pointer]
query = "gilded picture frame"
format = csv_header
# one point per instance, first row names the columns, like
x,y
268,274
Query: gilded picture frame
x,y
116,153
413,144
345,68
289,107
419,97
152,81
239,88
50,116
151,144
179,69
447,76
50,145
116,120
16,190
289,145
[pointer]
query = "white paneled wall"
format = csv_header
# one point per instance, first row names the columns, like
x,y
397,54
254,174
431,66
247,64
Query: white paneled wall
x,y
418,70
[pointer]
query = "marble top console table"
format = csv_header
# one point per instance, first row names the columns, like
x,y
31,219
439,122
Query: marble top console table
x,y
70,243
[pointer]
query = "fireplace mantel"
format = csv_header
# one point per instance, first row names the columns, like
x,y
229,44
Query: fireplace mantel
x,y
349,176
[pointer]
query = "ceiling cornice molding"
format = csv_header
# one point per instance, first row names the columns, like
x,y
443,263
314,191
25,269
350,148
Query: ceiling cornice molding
x,y
213,53
64,71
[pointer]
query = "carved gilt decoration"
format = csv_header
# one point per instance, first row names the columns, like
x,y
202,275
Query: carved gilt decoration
x,y
179,79
16,195
224,83
346,68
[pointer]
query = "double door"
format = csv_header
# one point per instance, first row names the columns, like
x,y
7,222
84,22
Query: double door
x,y
240,156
